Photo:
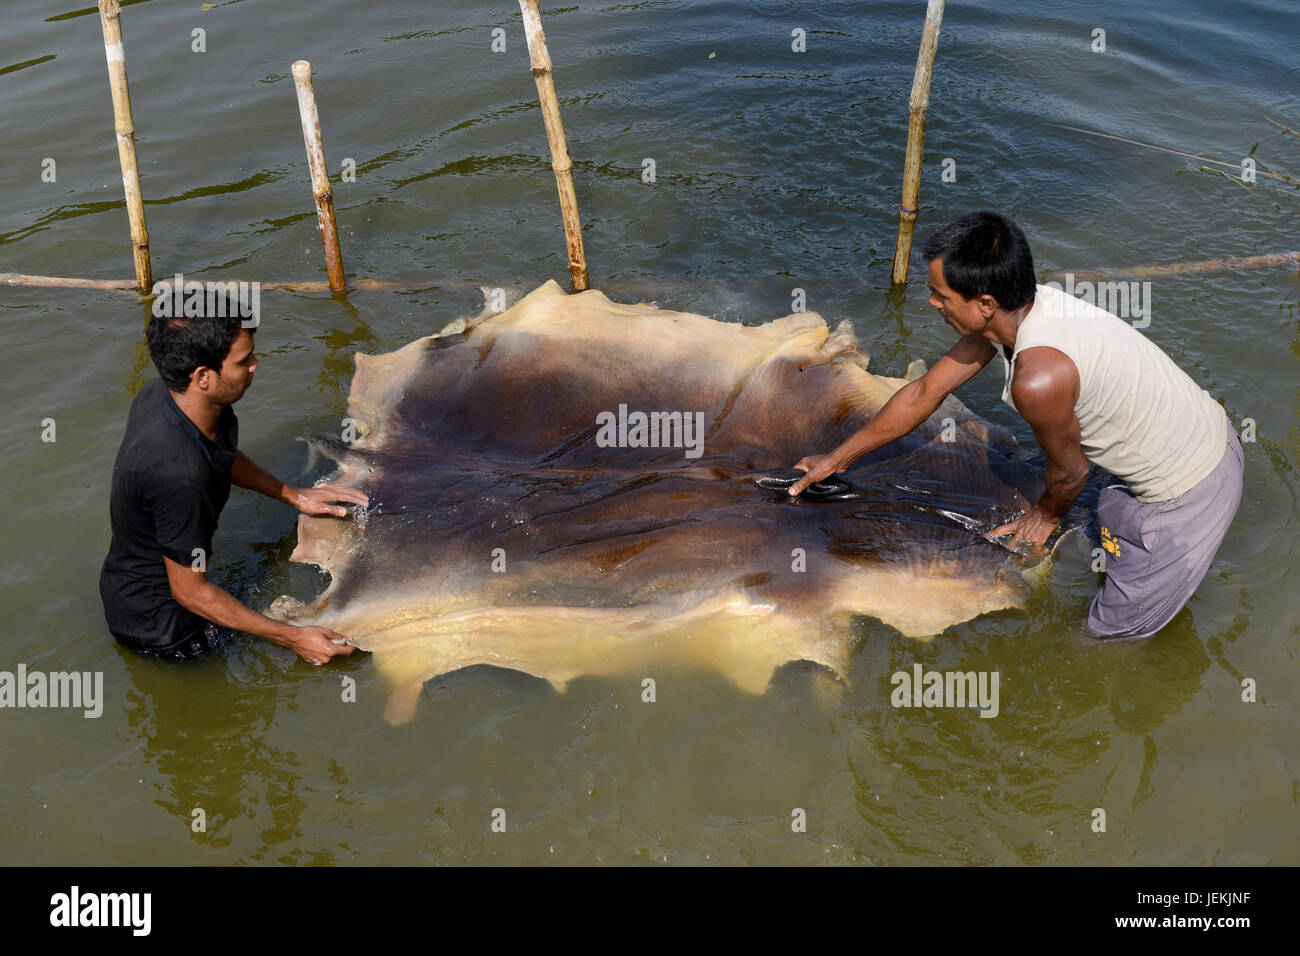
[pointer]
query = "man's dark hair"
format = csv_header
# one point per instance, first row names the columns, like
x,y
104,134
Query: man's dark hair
x,y
180,343
984,253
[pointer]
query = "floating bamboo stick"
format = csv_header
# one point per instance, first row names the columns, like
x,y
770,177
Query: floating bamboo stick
x,y
1176,152
917,106
320,180
376,285
1187,268
64,282
658,288
110,17
561,162
1280,126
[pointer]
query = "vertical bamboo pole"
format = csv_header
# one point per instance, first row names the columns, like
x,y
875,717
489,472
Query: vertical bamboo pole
x,y
320,180
917,105
561,162
110,17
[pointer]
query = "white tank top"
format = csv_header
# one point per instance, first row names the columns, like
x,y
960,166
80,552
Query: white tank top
x,y
1142,418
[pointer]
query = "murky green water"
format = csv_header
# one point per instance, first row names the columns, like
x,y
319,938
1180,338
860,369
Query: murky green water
x,y
775,170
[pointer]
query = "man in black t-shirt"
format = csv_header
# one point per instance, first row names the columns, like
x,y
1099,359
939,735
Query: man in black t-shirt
x,y
172,477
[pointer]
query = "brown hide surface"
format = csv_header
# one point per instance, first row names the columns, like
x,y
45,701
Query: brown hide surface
x,y
479,450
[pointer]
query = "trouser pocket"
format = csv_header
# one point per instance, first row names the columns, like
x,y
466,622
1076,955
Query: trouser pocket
x,y
1120,518
1121,609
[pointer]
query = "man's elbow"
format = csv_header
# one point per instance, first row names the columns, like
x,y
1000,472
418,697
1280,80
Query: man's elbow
x,y
187,588
186,598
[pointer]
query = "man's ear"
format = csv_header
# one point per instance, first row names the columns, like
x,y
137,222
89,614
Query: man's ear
x,y
202,377
988,305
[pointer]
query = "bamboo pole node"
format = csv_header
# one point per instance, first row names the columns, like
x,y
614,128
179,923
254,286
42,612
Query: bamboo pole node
x,y
918,104
561,161
320,181
110,18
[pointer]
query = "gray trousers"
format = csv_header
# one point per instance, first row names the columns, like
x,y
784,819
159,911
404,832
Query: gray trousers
x,y
1158,552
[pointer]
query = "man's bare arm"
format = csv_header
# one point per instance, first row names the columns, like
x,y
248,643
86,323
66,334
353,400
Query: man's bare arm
x,y
194,592
909,407
1045,389
246,473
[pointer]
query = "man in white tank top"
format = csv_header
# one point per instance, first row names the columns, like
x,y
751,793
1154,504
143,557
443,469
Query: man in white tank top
x,y
1095,390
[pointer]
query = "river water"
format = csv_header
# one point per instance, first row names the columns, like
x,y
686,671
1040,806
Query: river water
x,y
775,170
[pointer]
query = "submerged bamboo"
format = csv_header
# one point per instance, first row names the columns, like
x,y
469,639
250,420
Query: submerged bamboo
x,y
917,106
110,17
320,180
561,162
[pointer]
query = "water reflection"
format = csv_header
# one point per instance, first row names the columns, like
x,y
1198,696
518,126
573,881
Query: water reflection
x,y
206,732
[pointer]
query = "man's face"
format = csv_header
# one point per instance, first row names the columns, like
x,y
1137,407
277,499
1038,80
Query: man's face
x,y
967,316
227,385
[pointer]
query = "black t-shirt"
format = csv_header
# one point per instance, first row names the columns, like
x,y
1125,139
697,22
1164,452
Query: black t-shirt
x,y
170,483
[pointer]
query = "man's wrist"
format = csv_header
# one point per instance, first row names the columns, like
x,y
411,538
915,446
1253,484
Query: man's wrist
x,y
1047,516
281,633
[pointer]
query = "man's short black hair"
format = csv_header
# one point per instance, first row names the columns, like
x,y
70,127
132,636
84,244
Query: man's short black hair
x,y
985,253
180,343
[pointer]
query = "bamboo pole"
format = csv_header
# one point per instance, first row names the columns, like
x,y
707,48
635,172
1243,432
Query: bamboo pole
x,y
320,180
917,106
561,162
110,17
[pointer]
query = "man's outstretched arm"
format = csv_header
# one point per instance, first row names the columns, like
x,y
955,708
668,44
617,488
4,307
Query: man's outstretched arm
x,y
194,592
246,473
1045,389
909,407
